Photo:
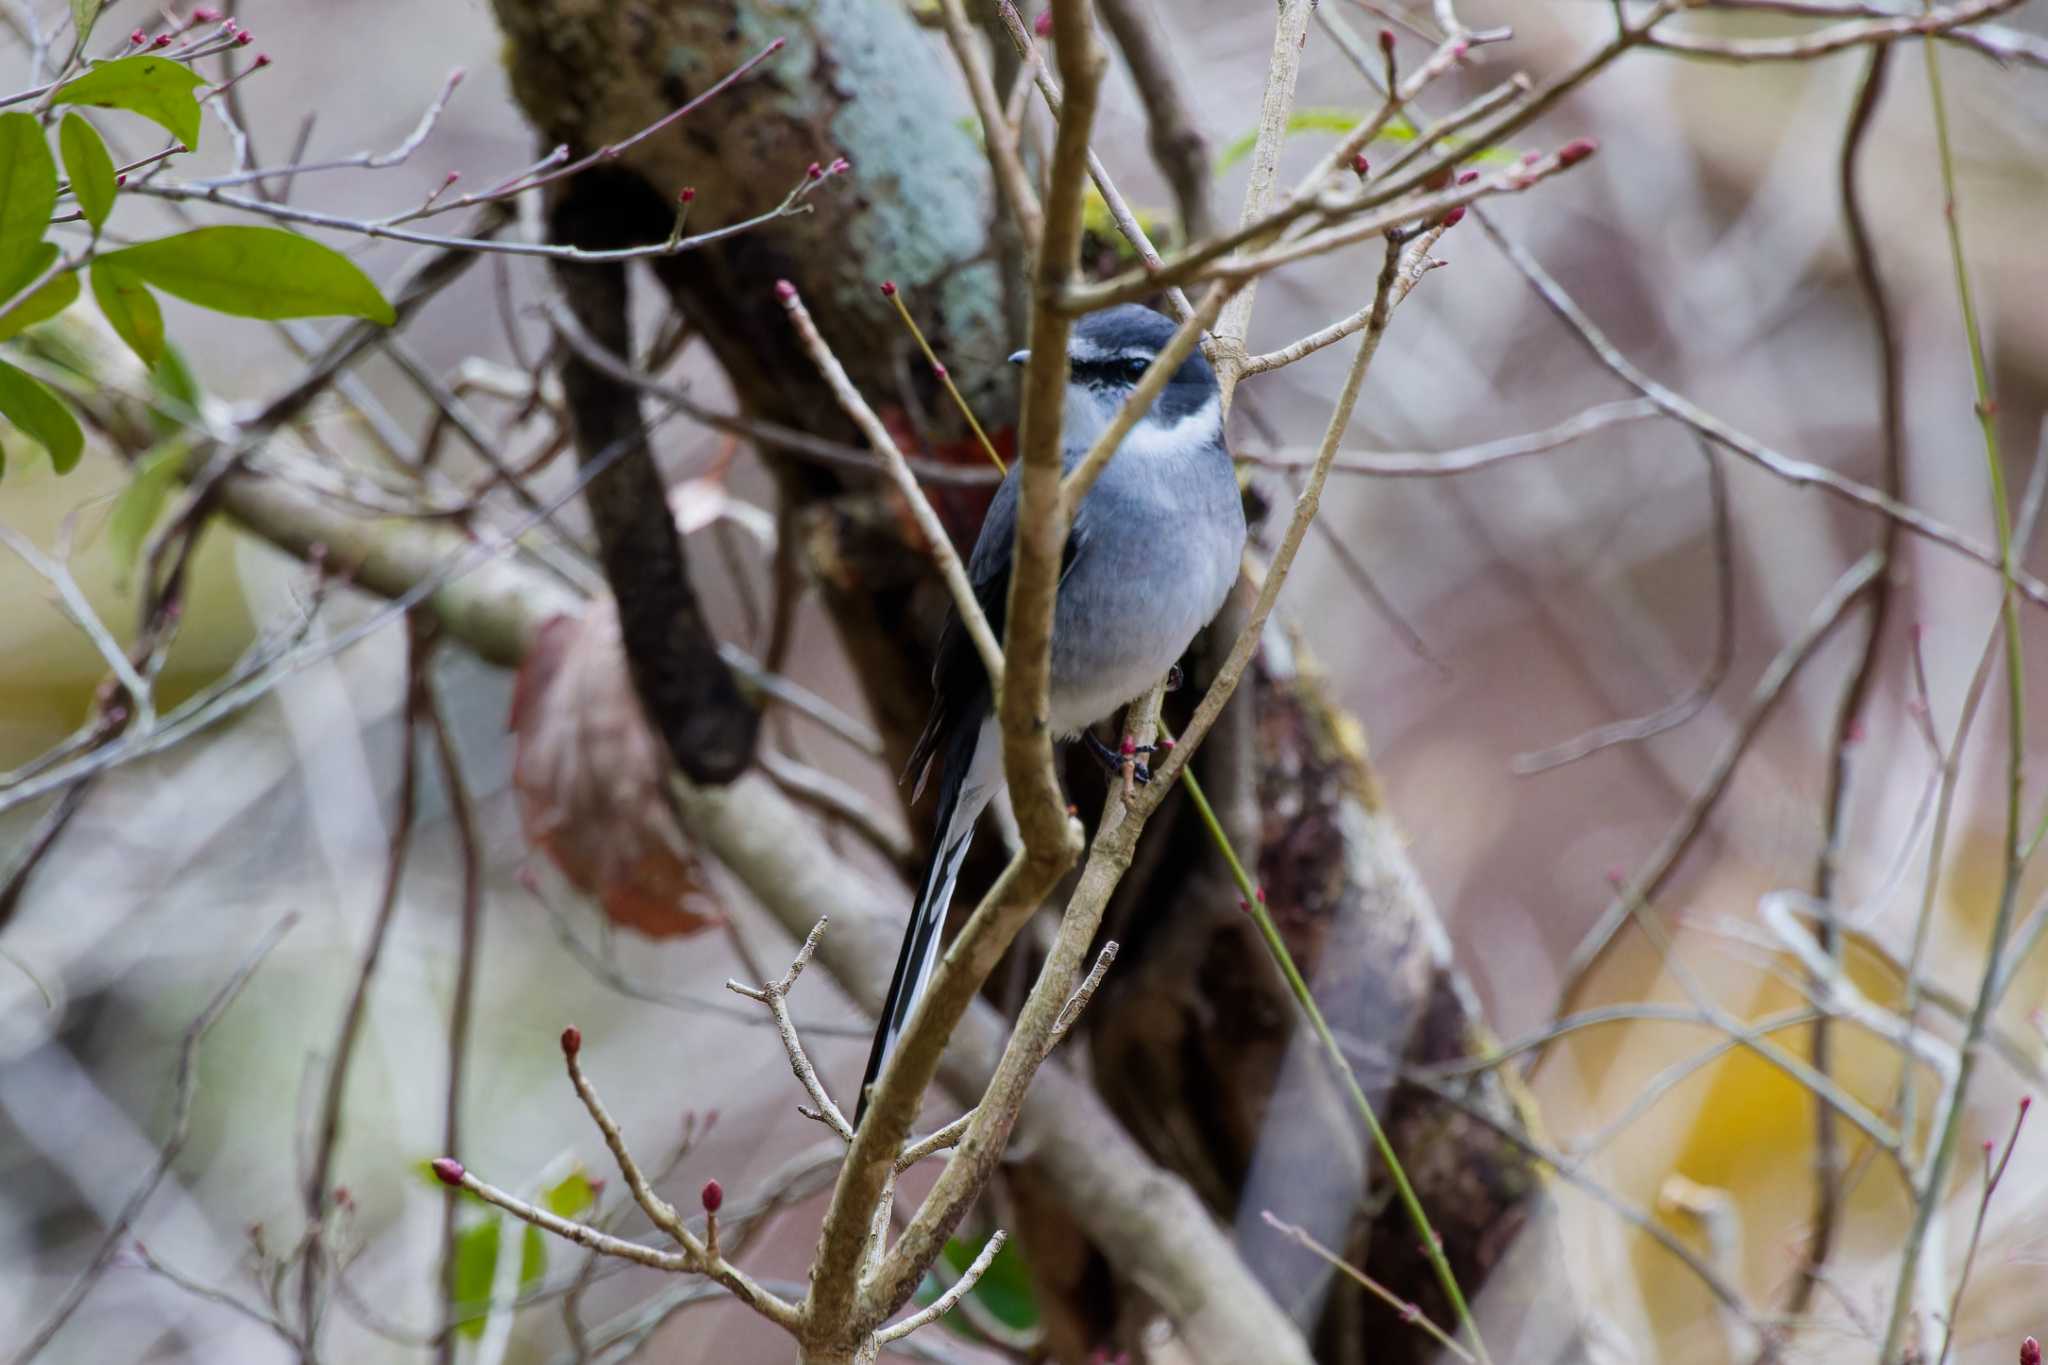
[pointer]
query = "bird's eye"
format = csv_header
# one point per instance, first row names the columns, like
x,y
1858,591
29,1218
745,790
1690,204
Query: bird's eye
x,y
1134,370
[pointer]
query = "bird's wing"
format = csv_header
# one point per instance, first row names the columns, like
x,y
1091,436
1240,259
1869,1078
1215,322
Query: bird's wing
x,y
960,690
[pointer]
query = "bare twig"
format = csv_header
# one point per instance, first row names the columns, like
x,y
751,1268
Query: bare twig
x,y
185,1085
945,1302
940,546
775,995
1410,1312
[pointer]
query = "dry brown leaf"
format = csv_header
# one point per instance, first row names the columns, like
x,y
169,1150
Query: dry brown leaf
x,y
589,775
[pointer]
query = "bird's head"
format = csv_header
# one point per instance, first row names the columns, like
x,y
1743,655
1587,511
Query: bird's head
x,y
1107,354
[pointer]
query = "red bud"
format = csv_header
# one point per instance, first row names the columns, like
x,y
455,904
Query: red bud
x,y
203,15
687,193
1576,151
1455,216
1387,41
263,59
785,291
2026,1103
1042,26
572,1041
888,289
244,38
1467,177
713,1195
814,171
2030,1352
1359,165
161,40
120,180
447,1170
138,37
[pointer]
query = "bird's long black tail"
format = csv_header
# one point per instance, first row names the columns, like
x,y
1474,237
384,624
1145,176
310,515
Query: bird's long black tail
x,y
953,831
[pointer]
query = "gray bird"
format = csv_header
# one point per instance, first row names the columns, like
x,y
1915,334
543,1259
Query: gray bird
x,y
1153,552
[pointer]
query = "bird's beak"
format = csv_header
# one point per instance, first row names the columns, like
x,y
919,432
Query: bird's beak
x,y
1019,357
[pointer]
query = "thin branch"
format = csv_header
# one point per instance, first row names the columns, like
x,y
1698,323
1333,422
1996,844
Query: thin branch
x,y
1408,1311
185,1086
1649,879
937,542
327,1128
1689,703
397,156
1799,472
771,435
775,995
461,1010
945,1302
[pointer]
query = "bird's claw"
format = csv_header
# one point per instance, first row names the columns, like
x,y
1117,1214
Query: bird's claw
x,y
1114,760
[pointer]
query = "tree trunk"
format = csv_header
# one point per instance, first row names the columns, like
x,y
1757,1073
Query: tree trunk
x,y
1195,1042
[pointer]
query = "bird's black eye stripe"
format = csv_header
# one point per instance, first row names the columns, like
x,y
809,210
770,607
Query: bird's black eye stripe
x,y
1129,369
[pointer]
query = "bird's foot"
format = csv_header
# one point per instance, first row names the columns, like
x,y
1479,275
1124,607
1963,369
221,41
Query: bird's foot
x,y
1114,760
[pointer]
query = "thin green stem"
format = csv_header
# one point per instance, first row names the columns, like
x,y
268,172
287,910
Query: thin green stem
x,y
1255,905
1942,1157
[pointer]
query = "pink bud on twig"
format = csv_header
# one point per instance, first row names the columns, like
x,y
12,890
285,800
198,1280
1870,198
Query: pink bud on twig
x,y
2030,1352
939,370
1454,217
814,172
204,15
138,38
712,1195
686,194
1359,165
1387,41
1467,177
785,291
161,40
448,1170
119,181
263,59
888,289
1042,25
572,1041
244,38
1576,151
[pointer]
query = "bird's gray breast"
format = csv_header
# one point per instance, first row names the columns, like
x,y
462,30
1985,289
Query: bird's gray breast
x,y
1163,534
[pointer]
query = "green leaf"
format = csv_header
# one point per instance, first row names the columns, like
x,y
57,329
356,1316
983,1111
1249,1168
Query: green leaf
x,y
1300,121
180,399
142,501
84,14
256,272
90,168
28,190
53,298
1397,129
157,88
41,416
572,1196
130,308
476,1267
